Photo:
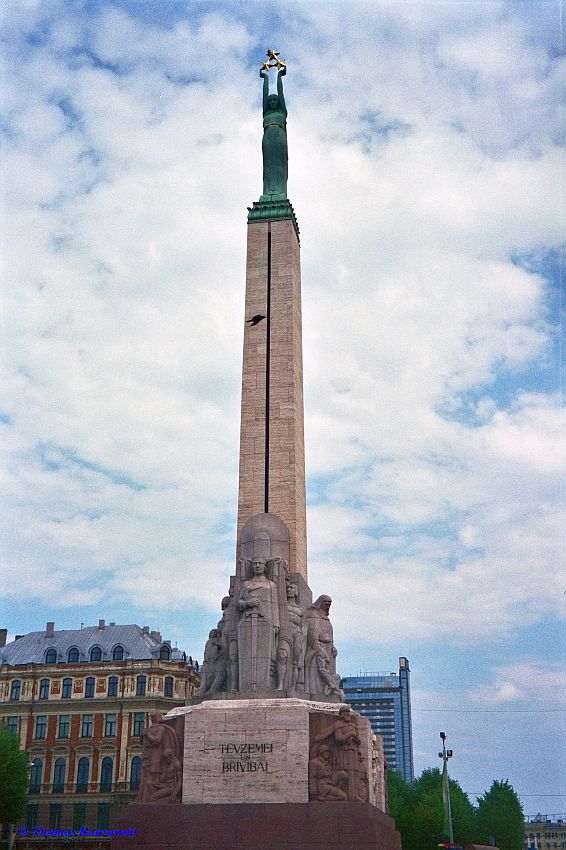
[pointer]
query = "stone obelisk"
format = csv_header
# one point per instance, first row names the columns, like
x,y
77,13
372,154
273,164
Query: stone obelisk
x,y
272,449
267,755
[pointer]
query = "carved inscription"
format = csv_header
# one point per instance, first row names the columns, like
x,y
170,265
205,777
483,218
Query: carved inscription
x,y
245,758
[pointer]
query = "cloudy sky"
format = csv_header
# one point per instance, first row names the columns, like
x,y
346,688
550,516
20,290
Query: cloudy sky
x,y
425,169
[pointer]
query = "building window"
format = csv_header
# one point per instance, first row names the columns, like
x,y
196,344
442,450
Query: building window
x,y
13,725
16,689
135,773
140,686
106,774
31,815
55,816
59,776
67,689
41,727
64,725
82,775
168,686
138,722
110,725
51,656
87,726
89,686
73,655
44,689
96,654
118,653
165,652
113,686
103,816
79,815
35,776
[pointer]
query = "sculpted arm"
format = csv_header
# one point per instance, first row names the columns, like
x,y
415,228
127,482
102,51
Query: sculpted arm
x,y
265,77
280,94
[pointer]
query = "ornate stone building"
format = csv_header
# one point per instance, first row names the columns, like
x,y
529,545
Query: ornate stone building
x,y
79,700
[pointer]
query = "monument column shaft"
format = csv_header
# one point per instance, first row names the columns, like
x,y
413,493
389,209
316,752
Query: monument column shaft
x,y
272,453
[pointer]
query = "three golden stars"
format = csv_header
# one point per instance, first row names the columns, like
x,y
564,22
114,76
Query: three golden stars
x,y
273,61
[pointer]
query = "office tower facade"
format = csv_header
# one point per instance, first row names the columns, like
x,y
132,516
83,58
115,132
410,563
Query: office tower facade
x,y
385,699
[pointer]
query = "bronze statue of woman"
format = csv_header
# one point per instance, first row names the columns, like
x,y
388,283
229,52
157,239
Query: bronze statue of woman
x,y
274,145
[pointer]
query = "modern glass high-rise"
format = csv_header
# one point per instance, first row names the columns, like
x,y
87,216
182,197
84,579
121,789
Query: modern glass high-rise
x,y
385,699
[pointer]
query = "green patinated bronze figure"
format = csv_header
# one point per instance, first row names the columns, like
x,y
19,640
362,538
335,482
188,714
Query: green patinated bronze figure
x,y
274,145
274,205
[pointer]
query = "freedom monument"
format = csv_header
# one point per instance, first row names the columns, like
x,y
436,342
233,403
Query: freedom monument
x,y
267,756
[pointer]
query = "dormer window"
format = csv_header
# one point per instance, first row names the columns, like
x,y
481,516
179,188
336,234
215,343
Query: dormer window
x,y
96,654
51,656
118,653
165,652
73,655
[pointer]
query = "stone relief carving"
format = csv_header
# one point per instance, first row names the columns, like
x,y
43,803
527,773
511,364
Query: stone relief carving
x,y
162,773
325,783
336,760
270,638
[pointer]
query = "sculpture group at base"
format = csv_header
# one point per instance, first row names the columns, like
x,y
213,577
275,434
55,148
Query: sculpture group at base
x,y
162,760
271,638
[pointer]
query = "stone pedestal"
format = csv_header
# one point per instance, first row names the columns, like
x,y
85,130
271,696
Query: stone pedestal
x,y
254,750
257,826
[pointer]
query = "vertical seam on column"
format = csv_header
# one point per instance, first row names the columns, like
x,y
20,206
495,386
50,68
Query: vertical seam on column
x,y
267,371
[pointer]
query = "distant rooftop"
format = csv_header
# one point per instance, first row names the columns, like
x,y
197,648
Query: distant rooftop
x,y
137,643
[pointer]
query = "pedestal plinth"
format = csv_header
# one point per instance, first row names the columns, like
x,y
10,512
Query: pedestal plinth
x,y
257,826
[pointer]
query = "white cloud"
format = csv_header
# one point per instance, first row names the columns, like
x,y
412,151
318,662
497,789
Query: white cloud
x,y
416,173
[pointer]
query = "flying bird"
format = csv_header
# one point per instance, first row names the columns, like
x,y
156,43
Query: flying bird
x,y
255,320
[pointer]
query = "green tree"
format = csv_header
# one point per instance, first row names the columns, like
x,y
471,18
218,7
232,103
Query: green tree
x,y
13,778
418,812
500,815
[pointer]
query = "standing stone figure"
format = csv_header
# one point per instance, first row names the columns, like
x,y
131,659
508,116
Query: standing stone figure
x,y
274,144
213,671
229,641
258,628
298,636
320,660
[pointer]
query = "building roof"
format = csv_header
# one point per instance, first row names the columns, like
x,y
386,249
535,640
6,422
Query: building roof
x,y
139,643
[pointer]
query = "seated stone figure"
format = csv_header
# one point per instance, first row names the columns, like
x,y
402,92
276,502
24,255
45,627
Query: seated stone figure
x,y
325,783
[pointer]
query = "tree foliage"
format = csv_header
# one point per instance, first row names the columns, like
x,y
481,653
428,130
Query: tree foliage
x,y
13,778
418,812
500,815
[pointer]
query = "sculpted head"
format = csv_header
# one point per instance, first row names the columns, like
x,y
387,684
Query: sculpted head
x,y
225,602
292,591
273,102
258,566
323,604
213,634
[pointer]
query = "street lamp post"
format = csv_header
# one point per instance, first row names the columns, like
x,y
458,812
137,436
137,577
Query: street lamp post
x,y
445,755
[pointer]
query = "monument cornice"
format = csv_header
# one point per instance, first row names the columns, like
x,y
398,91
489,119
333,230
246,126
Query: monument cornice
x,y
273,210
